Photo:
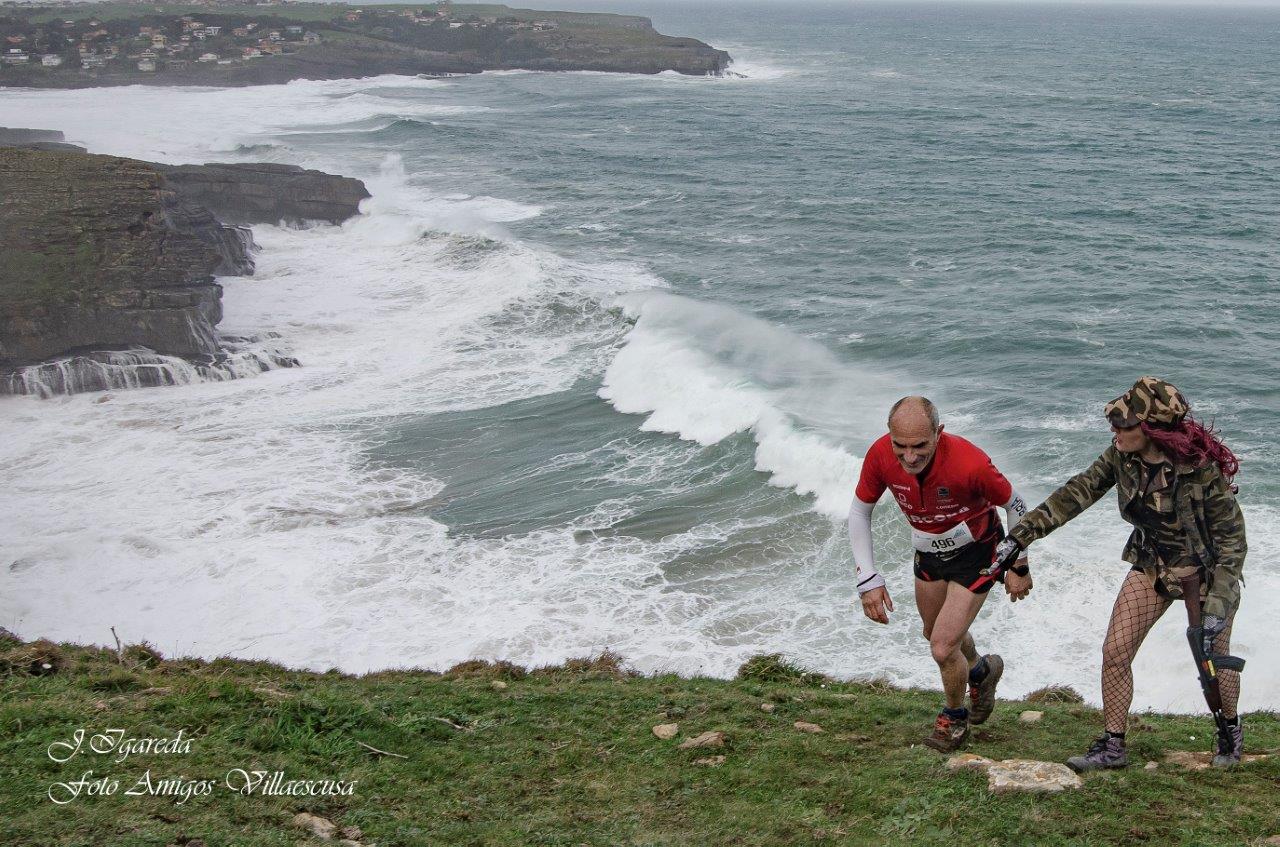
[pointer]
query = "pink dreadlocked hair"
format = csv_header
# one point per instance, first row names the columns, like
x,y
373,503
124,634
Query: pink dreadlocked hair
x,y
1191,441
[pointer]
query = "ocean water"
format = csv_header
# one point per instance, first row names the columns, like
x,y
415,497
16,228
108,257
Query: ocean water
x,y
596,366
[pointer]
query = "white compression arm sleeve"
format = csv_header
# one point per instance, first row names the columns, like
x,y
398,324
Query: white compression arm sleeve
x,y
864,557
1014,511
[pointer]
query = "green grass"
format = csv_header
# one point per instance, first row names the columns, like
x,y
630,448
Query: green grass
x,y
566,756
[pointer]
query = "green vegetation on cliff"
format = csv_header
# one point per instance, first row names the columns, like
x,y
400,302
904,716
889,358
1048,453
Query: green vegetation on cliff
x,y
489,754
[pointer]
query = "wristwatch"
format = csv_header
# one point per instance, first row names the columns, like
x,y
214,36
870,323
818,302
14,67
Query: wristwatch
x,y
1020,571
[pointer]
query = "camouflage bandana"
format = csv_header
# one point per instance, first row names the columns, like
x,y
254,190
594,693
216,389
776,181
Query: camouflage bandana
x,y
1151,400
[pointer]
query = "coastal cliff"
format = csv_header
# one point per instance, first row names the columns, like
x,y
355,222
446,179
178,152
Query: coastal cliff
x,y
263,193
100,253
106,44
108,278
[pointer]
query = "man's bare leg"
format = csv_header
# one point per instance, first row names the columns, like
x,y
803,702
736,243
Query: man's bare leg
x,y
969,649
948,632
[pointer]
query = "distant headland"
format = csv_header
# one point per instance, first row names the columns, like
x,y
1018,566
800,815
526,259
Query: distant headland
x,y
82,45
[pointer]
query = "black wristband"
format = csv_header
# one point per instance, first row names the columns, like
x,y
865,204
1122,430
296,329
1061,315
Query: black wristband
x,y
1022,571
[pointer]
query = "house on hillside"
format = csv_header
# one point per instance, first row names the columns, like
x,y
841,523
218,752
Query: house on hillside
x,y
15,56
311,38
147,65
51,60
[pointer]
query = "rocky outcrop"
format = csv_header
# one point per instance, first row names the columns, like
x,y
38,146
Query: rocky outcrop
x,y
266,193
36,139
109,264
95,255
17,136
99,256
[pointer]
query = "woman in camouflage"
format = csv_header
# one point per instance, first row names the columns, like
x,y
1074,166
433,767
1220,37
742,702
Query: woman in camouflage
x,y
1173,477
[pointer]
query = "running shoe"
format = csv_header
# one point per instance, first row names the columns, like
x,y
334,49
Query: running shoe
x,y
1105,752
982,695
1229,749
949,734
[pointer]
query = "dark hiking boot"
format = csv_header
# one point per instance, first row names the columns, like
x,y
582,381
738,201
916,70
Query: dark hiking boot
x,y
982,695
949,734
1229,749
1106,751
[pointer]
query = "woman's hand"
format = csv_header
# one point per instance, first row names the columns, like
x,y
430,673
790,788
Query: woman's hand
x,y
1018,587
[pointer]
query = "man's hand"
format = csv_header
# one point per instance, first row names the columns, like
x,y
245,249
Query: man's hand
x,y
876,604
1018,587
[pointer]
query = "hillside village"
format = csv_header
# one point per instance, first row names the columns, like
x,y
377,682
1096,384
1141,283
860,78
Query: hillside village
x,y
174,43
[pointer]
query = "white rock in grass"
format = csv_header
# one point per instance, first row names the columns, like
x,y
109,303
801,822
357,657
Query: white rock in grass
x,y
321,828
968,762
706,739
1012,775
666,731
1030,716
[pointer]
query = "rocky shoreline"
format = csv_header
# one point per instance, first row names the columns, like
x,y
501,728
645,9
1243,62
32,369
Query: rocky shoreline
x,y
110,262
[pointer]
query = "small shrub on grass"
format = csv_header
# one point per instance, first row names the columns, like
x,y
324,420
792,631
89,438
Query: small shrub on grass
x,y
1055,694
607,665
39,658
481,669
142,655
772,667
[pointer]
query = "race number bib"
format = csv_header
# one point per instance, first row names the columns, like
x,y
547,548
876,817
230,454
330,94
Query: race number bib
x,y
943,542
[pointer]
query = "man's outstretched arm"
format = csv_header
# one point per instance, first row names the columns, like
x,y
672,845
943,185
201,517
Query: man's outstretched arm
x,y
876,603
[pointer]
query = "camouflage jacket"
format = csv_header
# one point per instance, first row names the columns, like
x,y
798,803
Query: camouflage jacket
x,y
1205,509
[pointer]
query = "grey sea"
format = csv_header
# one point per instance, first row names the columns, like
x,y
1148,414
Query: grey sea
x,y
596,366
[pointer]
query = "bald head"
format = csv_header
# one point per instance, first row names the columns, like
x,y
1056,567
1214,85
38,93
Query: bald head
x,y
914,427
914,411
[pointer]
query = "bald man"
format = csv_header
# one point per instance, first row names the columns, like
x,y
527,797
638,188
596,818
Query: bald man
x,y
948,489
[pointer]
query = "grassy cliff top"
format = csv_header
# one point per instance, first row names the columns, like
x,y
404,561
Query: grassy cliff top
x,y
491,754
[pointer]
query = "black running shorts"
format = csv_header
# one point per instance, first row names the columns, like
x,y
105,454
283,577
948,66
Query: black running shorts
x,y
962,566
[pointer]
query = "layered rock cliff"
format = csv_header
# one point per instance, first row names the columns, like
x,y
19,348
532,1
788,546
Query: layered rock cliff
x,y
98,252
109,264
266,193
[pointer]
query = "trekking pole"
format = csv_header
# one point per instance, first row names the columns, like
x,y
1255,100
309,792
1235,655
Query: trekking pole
x,y
1207,664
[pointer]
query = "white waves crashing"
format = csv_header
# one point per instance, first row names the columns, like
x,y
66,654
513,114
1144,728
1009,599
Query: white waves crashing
x,y
705,371
243,517
195,125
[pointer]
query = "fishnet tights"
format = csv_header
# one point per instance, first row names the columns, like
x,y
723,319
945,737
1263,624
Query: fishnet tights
x,y
1137,608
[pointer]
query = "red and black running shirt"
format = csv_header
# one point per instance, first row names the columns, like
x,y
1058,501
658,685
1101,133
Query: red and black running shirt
x,y
961,483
